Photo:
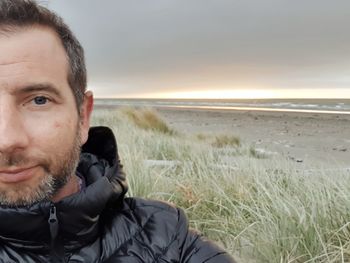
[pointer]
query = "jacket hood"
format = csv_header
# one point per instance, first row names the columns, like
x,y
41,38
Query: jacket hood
x,y
78,214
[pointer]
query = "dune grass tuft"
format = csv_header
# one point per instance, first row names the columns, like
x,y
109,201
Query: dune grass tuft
x,y
221,141
202,137
147,119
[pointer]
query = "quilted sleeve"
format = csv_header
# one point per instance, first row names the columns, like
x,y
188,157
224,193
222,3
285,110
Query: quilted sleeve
x,y
197,249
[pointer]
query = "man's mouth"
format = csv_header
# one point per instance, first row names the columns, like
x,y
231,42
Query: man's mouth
x,y
16,175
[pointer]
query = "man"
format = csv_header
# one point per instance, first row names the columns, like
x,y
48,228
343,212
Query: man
x,y
61,184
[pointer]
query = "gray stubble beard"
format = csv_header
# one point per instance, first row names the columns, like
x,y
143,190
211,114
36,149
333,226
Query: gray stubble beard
x,y
49,185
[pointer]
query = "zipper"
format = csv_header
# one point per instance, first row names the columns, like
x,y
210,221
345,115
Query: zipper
x,y
57,252
53,223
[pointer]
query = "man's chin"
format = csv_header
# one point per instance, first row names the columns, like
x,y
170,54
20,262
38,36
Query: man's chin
x,y
27,193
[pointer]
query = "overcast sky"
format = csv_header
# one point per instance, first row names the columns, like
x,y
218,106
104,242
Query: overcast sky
x,y
136,48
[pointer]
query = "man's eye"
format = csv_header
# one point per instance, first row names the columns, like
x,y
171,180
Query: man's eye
x,y
40,100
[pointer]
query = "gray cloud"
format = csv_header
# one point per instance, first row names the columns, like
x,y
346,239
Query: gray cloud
x,y
145,46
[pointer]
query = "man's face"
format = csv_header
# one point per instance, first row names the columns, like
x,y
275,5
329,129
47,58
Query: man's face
x,y
40,129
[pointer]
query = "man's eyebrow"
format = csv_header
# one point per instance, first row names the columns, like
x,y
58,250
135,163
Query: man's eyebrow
x,y
39,87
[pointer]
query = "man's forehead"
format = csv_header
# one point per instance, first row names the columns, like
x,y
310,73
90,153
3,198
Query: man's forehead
x,y
32,54
31,42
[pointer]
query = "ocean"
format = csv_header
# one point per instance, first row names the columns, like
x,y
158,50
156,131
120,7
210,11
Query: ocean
x,y
335,106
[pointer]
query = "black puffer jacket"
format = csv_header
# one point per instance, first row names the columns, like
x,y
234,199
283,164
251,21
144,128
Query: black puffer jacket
x,y
98,224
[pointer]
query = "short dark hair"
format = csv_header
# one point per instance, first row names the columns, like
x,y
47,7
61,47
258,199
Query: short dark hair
x,y
16,14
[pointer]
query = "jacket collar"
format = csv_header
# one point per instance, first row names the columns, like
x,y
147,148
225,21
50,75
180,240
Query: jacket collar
x,y
78,214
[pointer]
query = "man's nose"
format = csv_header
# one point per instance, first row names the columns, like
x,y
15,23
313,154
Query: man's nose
x,y
13,135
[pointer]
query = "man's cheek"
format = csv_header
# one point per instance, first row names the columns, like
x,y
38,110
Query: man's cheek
x,y
57,125
54,136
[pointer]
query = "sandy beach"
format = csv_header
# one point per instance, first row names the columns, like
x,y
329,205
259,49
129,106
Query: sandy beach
x,y
308,139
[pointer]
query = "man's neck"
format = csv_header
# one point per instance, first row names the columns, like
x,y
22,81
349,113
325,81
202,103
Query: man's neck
x,y
71,187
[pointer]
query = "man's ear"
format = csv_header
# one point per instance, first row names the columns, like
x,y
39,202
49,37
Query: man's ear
x,y
85,115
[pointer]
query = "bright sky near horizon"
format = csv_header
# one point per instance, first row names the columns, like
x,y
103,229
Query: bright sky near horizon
x,y
213,48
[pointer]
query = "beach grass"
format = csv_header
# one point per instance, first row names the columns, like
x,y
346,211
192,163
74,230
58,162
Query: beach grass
x,y
224,140
259,209
148,119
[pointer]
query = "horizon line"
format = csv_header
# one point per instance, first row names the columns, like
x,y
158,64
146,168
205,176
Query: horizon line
x,y
275,98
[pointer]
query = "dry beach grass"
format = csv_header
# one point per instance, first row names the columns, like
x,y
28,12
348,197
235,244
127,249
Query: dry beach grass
x,y
261,206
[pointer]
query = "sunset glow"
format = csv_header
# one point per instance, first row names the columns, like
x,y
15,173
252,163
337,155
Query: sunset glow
x,y
229,94
259,94
222,94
